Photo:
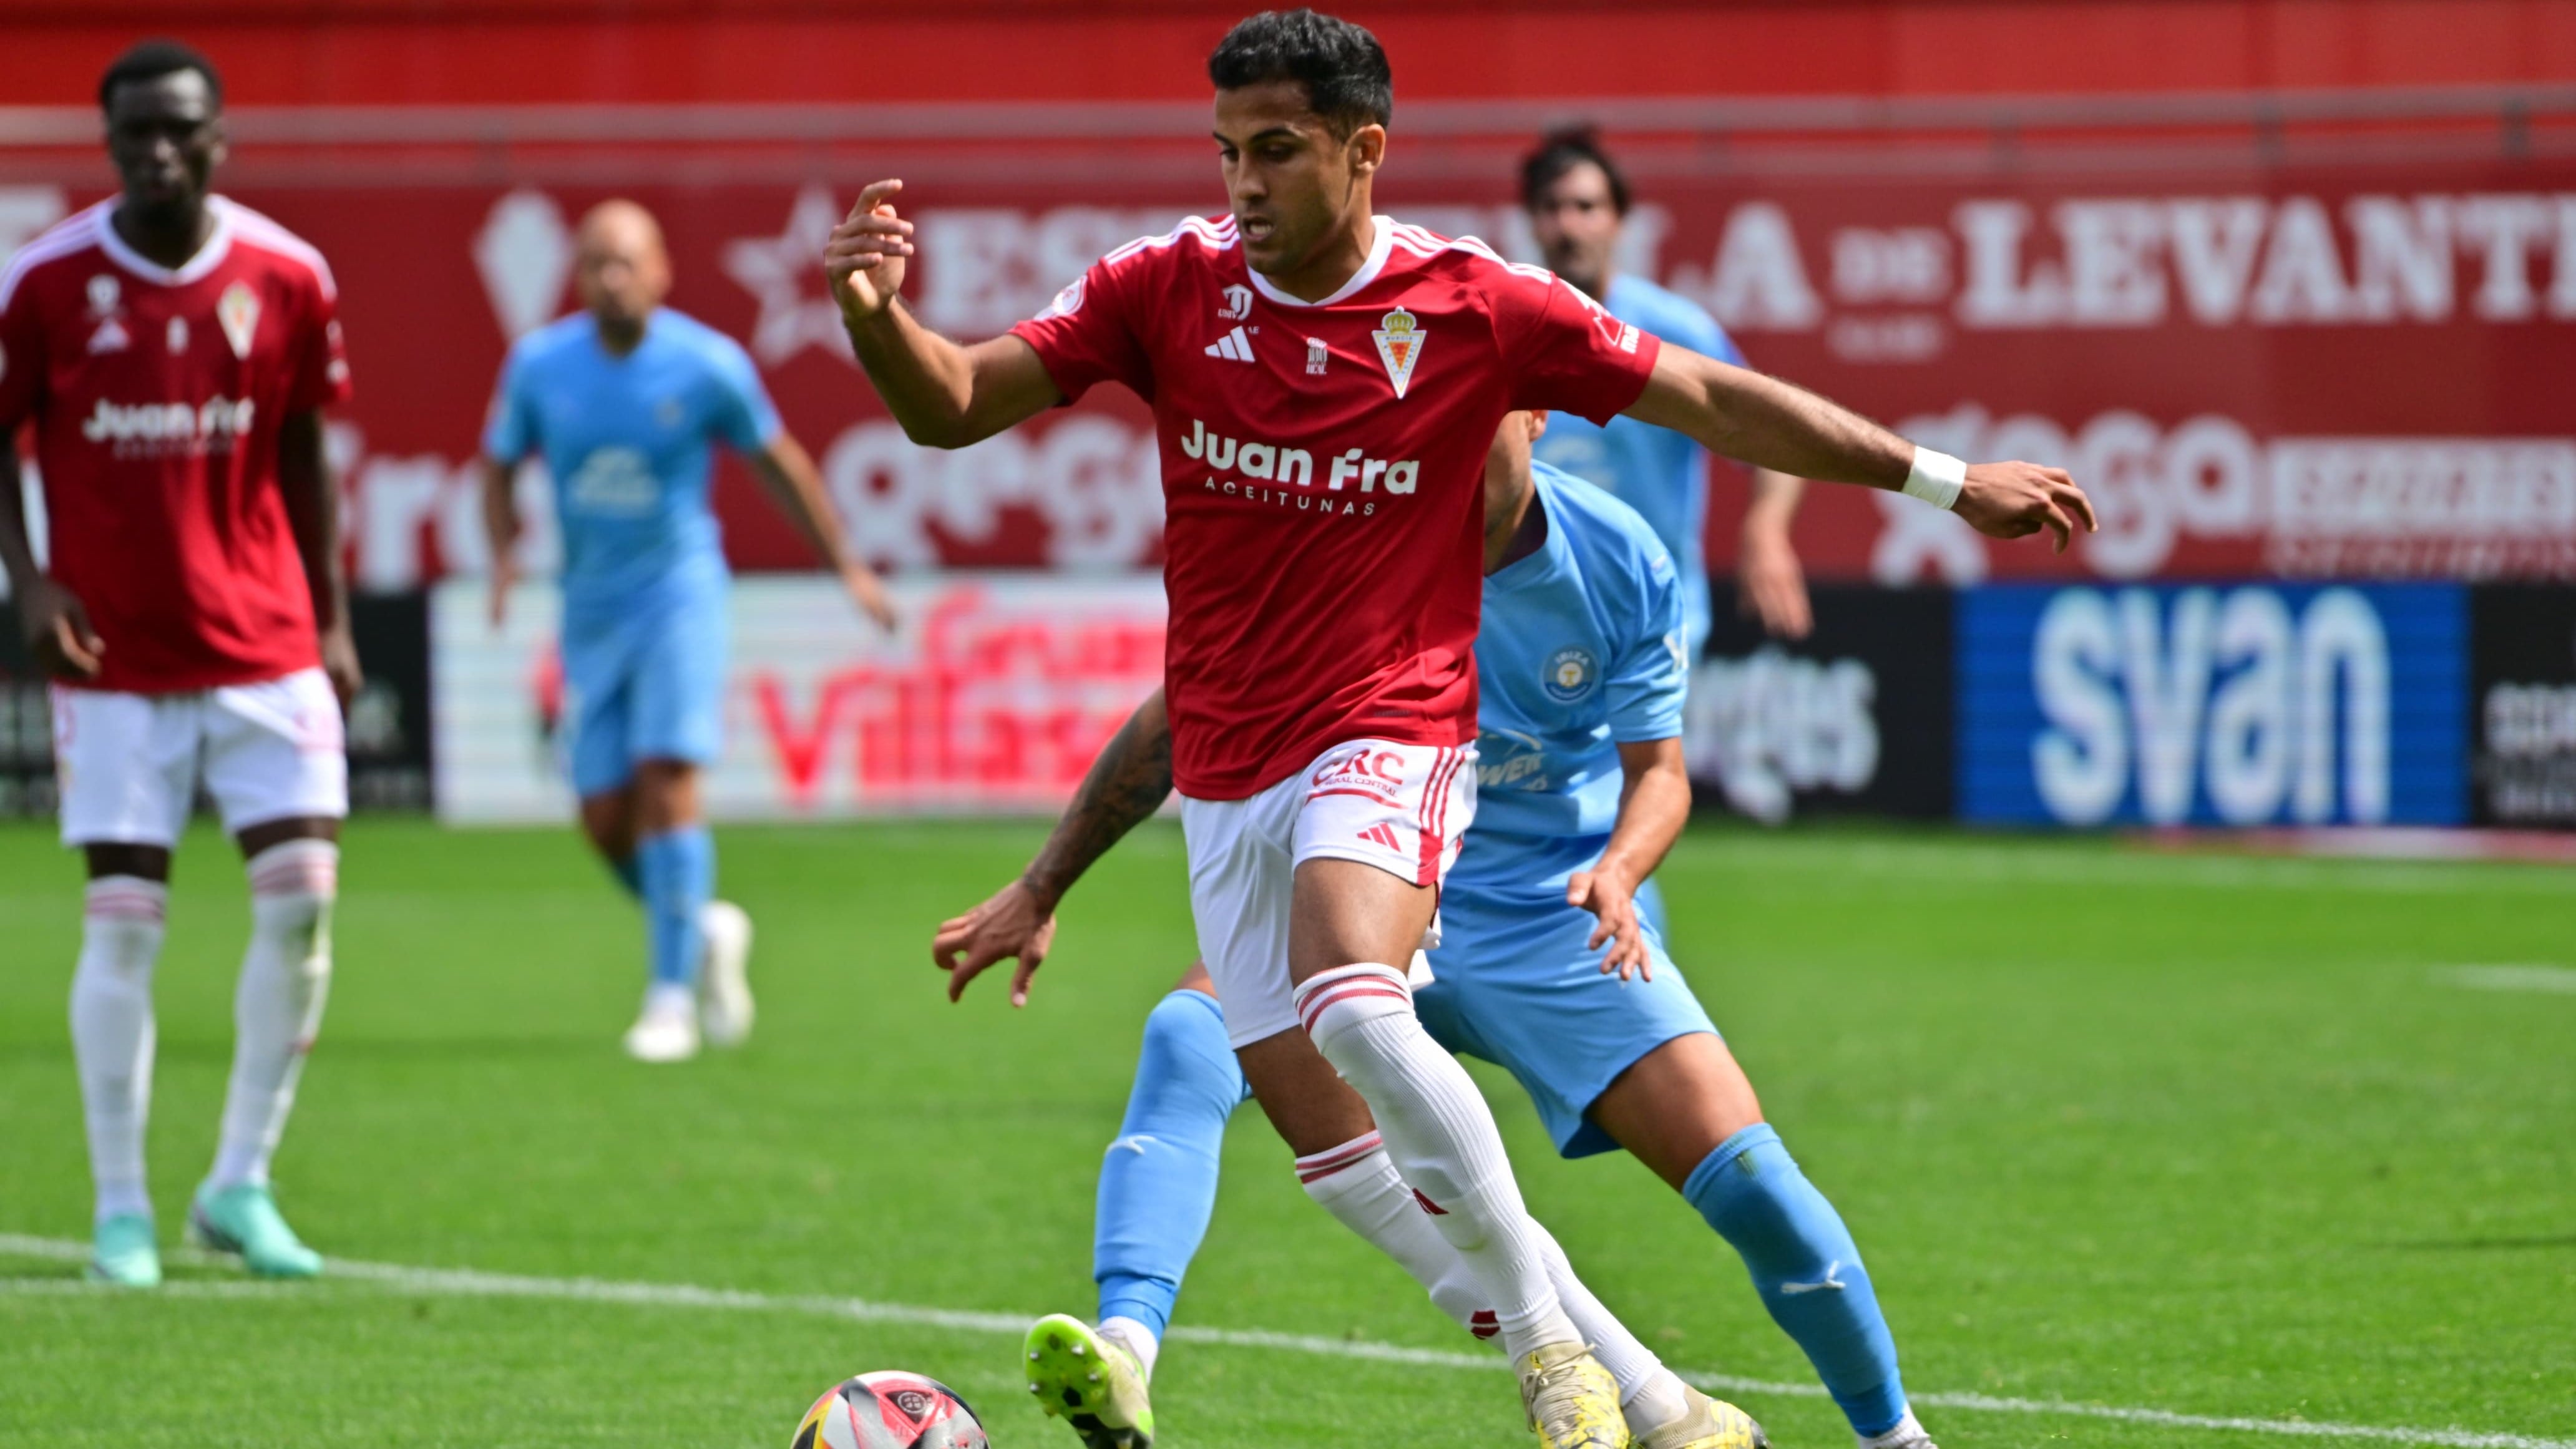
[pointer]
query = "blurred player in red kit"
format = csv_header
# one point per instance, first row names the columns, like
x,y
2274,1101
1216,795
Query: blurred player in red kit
x,y
170,354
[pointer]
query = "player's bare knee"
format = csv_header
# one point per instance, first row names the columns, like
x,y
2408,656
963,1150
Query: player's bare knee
x,y
666,796
608,818
1676,1104
143,862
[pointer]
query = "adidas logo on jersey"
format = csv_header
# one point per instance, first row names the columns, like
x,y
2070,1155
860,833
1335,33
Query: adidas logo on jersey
x,y
1233,347
1383,834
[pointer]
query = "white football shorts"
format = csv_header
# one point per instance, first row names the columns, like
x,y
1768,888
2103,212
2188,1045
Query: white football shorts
x,y
1401,808
128,764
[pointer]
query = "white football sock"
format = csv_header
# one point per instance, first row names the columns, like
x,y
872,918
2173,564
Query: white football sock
x,y
1906,1431
1442,1137
1358,1185
1650,1395
286,974
1137,1339
121,927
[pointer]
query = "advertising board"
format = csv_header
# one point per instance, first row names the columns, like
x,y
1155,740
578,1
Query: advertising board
x,y
993,695
2523,695
2213,704
1855,717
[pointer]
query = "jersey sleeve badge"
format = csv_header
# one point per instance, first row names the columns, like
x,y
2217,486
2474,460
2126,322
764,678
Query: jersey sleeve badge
x,y
1399,345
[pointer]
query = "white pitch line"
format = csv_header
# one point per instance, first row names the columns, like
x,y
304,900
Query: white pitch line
x,y
2555,980
467,1283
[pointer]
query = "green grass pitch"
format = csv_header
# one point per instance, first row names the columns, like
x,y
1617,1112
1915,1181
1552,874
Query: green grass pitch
x,y
2206,1135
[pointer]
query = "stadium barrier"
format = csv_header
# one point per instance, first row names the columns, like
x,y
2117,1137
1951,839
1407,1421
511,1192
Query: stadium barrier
x,y
388,724
2258,703
2253,704
991,697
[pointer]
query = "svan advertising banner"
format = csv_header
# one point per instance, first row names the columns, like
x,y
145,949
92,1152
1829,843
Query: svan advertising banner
x,y
2220,704
2353,371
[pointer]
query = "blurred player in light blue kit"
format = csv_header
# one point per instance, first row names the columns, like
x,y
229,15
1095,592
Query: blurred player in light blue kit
x,y
1577,201
624,399
1544,967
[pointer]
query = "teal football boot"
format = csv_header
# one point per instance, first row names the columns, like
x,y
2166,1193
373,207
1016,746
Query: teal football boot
x,y
243,1220
124,1252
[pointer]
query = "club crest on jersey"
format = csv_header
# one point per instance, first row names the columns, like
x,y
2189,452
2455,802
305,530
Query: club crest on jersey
x,y
1238,303
238,311
176,336
1066,303
103,293
1569,674
1317,354
1399,346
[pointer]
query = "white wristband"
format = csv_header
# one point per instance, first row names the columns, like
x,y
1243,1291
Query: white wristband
x,y
1936,478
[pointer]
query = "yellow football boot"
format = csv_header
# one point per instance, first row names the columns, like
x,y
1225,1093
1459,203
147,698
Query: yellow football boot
x,y
1573,1402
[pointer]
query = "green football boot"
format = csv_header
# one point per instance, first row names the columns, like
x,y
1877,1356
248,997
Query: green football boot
x,y
243,1220
1090,1382
124,1252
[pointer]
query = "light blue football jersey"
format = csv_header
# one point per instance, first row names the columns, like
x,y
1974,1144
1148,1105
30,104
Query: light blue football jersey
x,y
627,439
1660,473
1579,653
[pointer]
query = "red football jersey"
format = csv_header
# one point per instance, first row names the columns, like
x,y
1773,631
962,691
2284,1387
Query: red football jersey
x,y
156,397
1323,474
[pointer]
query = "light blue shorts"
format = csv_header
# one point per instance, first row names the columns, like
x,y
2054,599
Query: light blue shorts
x,y
1515,983
644,686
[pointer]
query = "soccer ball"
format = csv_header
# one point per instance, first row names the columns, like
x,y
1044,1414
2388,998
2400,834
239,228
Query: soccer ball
x,y
889,1409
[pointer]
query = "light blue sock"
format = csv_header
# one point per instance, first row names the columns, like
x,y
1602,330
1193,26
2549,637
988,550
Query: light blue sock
x,y
1158,1180
630,874
678,869
1806,1268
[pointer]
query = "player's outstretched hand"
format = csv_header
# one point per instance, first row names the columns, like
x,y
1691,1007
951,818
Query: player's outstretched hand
x,y
504,577
1771,587
1008,926
864,258
58,631
2015,500
340,661
1608,895
868,592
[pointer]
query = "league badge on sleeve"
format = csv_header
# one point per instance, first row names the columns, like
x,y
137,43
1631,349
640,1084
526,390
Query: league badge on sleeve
x,y
238,311
1399,346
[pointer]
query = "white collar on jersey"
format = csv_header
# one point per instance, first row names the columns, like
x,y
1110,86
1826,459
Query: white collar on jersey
x,y
219,243
1367,273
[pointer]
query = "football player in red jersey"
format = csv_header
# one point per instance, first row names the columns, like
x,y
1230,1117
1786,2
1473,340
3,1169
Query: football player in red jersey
x,y
171,353
1325,383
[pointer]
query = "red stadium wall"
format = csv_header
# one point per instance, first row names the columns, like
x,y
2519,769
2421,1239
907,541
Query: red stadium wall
x,y
429,52
2292,282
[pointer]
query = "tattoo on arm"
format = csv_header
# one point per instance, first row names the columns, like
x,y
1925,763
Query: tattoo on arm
x,y
1125,786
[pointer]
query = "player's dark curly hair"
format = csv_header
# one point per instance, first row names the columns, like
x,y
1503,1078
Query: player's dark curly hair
x,y
148,60
1341,65
1561,151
